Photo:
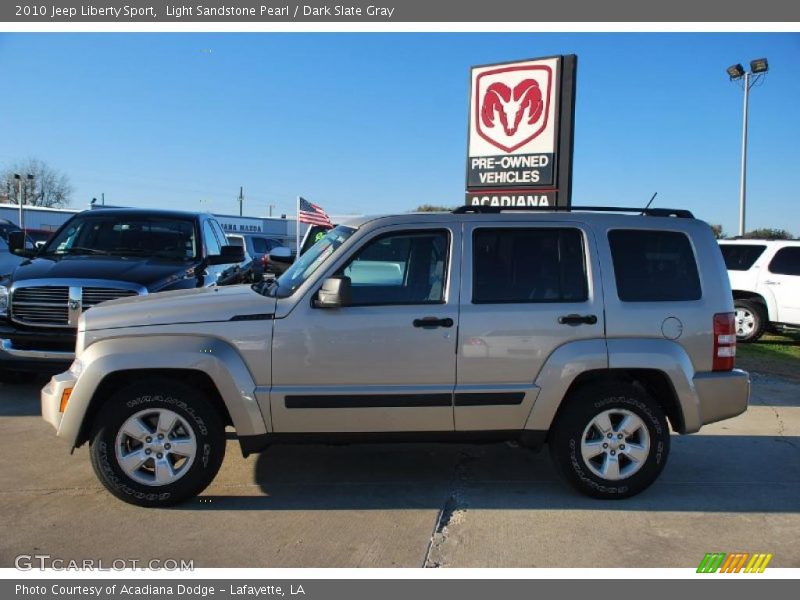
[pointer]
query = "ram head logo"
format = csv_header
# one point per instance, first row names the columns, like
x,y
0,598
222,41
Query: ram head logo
x,y
511,105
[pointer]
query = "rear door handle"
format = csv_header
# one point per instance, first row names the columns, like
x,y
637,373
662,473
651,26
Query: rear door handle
x,y
433,322
577,319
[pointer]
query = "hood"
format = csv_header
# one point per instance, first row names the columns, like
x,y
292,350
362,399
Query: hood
x,y
143,271
199,305
8,262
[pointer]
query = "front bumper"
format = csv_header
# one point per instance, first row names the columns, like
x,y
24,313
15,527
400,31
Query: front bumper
x,y
36,361
51,395
43,351
722,395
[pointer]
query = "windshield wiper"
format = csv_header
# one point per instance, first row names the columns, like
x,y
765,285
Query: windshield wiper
x,y
148,253
79,250
265,288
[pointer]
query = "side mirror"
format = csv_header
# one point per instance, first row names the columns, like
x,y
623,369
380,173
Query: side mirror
x,y
16,244
281,254
228,255
334,293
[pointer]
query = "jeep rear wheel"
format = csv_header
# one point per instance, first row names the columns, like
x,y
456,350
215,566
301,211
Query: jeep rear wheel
x,y
611,441
157,443
750,320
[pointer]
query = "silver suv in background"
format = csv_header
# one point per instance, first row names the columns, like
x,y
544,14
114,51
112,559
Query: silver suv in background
x,y
589,330
765,279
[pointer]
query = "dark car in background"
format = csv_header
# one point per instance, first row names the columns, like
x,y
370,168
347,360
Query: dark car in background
x,y
96,256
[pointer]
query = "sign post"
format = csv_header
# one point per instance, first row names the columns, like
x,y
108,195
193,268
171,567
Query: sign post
x,y
521,117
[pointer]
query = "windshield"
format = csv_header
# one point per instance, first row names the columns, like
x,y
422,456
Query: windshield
x,y
126,235
311,260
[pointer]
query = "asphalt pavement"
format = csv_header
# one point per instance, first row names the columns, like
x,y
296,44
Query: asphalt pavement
x,y
733,487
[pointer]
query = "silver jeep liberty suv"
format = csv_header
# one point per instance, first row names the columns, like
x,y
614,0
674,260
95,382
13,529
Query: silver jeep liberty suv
x,y
590,330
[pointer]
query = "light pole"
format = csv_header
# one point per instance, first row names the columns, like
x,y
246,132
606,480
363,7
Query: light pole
x,y
758,69
20,200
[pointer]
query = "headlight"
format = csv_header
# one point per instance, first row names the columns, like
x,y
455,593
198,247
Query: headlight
x,y
3,299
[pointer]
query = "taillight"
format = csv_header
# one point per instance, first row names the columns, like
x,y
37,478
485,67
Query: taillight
x,y
265,259
724,341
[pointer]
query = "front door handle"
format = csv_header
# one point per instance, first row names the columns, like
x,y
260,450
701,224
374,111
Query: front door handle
x,y
433,322
577,319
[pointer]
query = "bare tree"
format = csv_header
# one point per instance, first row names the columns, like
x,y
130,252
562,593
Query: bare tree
x,y
48,187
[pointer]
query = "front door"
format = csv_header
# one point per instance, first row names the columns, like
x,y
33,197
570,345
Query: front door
x,y
387,361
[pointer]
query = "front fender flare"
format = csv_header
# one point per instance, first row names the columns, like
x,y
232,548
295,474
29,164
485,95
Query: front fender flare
x,y
211,356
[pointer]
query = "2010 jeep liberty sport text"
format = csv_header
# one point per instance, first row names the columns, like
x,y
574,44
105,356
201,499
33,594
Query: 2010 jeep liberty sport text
x,y
593,332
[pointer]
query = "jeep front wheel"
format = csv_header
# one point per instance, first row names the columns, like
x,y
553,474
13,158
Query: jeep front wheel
x,y
610,441
157,443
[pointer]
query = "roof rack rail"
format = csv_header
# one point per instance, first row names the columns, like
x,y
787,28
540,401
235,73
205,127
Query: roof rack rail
x,y
650,212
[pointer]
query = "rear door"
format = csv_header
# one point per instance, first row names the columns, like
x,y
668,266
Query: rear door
x,y
526,290
783,279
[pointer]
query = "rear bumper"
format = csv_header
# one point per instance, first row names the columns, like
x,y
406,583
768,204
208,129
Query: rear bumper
x,y
722,395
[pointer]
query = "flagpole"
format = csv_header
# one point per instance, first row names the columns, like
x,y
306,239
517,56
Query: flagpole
x,y
297,230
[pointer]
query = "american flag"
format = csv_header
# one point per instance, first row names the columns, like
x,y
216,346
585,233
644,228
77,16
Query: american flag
x,y
313,214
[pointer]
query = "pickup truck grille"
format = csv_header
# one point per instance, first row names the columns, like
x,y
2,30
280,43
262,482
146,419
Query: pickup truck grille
x,y
96,295
41,305
50,306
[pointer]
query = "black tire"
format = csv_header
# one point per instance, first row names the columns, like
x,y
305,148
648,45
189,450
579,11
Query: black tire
x,y
195,411
573,420
16,377
745,310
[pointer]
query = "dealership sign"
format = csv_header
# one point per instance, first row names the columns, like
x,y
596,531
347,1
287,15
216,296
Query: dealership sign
x,y
520,132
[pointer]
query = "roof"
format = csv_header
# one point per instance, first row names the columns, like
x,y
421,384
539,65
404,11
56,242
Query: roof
x,y
608,215
177,214
757,241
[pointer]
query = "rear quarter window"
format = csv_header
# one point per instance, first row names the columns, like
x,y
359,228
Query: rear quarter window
x,y
654,266
740,257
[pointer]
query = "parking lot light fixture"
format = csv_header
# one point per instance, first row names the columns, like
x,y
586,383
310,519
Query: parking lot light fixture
x,y
759,65
735,71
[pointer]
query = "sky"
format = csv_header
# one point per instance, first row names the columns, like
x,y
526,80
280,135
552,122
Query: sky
x,y
372,123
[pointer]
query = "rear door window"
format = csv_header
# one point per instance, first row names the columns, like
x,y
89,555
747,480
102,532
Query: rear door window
x,y
654,266
528,265
740,257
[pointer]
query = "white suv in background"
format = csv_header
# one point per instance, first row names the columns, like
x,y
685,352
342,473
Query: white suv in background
x,y
765,279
